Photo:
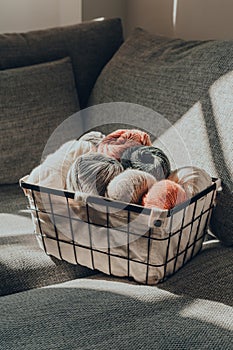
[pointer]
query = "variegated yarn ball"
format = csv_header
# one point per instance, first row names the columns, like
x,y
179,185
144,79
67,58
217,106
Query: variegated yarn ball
x,y
147,158
130,186
192,179
91,173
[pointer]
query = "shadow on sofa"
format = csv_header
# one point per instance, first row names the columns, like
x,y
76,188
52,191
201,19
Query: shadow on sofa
x,y
24,266
98,314
208,276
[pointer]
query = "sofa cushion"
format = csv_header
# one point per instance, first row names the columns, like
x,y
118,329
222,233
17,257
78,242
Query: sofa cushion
x,y
23,265
34,101
190,84
97,314
90,46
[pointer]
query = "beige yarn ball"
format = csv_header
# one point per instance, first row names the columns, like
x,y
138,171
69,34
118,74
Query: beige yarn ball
x,y
130,186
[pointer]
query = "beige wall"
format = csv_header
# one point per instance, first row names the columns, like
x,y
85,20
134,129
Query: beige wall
x,y
153,15
205,19
104,8
24,15
189,19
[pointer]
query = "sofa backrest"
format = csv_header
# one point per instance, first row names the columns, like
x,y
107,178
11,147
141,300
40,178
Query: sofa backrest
x,y
90,45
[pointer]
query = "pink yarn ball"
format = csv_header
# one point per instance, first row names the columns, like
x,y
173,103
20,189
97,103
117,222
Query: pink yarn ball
x,y
118,141
164,194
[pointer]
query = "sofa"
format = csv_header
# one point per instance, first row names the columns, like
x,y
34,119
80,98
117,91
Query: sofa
x,y
47,76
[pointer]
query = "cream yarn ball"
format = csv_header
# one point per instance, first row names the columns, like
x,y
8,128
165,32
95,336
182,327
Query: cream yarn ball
x,y
130,186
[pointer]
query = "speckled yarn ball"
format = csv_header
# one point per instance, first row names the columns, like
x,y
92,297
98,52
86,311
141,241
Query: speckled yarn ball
x,y
192,179
95,137
149,159
91,173
165,194
118,141
130,186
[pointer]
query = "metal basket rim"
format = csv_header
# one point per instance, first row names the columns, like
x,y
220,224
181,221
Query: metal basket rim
x,y
119,204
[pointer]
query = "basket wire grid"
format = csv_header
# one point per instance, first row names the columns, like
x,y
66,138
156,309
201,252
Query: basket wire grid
x,y
149,255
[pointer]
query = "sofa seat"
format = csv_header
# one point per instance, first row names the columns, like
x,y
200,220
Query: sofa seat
x,y
93,313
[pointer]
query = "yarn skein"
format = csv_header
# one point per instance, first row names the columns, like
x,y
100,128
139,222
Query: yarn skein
x,y
165,194
91,173
95,137
53,170
150,159
118,141
192,179
130,186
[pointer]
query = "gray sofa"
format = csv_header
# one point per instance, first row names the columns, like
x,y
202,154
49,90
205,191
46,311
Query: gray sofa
x,y
45,77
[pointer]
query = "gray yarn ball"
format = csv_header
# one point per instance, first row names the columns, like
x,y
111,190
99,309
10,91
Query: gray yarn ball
x,y
91,173
149,159
130,186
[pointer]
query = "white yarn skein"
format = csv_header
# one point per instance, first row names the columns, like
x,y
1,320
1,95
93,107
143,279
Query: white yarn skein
x,y
53,171
95,137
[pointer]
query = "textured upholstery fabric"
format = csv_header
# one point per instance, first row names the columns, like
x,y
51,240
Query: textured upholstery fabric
x,y
34,101
190,83
207,276
12,199
90,45
23,265
97,314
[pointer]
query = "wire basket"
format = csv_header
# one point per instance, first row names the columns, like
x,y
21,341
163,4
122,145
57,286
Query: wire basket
x,y
117,238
